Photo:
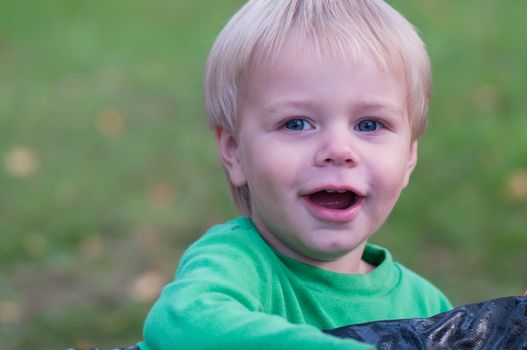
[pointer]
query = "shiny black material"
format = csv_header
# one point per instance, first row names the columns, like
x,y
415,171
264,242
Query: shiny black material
x,y
490,325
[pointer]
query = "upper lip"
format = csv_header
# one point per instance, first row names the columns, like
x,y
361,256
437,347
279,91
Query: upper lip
x,y
335,188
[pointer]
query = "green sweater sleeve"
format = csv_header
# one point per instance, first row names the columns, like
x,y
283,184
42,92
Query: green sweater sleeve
x,y
217,320
216,303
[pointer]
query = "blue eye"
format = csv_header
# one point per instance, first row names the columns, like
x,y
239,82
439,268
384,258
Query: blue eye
x,y
298,124
368,125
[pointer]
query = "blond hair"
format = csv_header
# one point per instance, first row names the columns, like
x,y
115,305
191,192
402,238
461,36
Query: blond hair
x,y
360,28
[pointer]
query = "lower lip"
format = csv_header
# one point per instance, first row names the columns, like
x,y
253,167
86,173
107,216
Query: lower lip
x,y
334,215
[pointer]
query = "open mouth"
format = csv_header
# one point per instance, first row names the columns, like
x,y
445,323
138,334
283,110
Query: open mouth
x,y
334,199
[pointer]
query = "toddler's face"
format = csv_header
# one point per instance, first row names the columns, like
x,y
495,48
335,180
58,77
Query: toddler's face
x,y
325,147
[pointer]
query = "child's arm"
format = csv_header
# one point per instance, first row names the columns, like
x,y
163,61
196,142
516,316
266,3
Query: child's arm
x,y
216,303
191,318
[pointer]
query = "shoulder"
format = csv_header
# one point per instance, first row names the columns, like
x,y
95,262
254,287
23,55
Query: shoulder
x,y
413,293
425,294
233,237
236,231
234,247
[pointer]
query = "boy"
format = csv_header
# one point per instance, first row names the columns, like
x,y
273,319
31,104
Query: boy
x,y
317,106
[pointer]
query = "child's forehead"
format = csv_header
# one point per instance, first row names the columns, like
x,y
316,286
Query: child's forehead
x,y
302,79
297,57
323,50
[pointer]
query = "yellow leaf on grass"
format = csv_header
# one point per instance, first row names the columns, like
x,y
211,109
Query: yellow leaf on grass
x,y
147,286
21,162
110,122
518,184
10,312
162,195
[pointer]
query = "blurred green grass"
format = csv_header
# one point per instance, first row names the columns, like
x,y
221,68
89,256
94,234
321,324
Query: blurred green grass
x,y
108,170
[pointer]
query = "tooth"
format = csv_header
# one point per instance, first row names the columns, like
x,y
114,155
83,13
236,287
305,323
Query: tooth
x,y
341,191
330,191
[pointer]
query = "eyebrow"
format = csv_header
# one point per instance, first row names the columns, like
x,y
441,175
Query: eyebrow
x,y
365,105
298,104
375,105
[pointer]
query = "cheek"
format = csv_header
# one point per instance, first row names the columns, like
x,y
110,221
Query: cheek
x,y
389,180
265,172
391,167
393,180
273,181
265,164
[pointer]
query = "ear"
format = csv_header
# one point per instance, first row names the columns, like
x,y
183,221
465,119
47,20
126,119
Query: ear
x,y
229,152
410,165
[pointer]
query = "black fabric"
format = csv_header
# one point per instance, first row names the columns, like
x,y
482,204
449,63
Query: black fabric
x,y
490,325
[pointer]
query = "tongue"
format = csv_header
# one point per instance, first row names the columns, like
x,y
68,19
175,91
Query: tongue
x,y
335,200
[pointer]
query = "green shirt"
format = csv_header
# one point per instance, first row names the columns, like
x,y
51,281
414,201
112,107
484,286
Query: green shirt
x,y
233,291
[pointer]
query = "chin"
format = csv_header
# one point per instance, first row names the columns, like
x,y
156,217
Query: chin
x,y
333,252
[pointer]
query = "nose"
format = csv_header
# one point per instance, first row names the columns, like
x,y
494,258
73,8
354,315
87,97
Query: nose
x,y
337,149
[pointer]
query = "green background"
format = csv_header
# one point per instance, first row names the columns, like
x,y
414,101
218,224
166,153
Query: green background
x,y
108,170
